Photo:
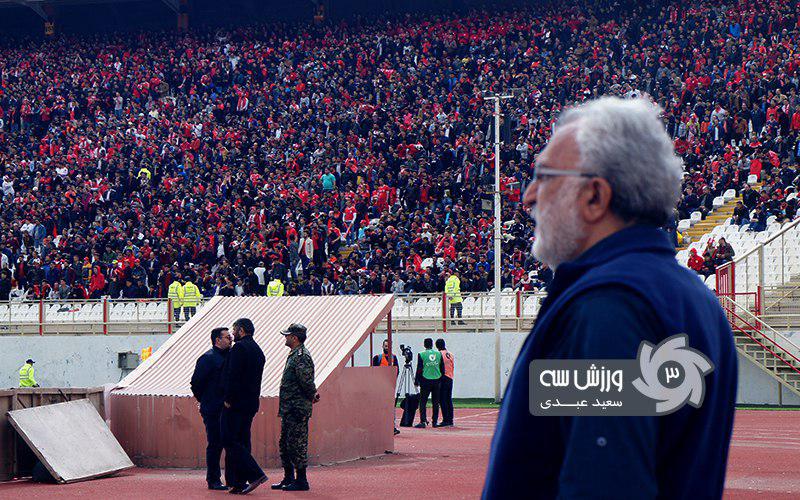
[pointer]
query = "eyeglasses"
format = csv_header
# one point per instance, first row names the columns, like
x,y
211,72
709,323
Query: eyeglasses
x,y
543,173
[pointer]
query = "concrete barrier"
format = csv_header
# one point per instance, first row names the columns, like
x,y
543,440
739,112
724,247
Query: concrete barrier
x,y
91,360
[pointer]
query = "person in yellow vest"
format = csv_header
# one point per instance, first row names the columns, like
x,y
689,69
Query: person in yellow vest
x,y
26,375
191,298
446,384
175,292
452,288
144,173
275,288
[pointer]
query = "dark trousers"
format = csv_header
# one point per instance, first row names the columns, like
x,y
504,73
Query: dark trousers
x,y
214,448
240,466
188,312
457,307
428,387
446,395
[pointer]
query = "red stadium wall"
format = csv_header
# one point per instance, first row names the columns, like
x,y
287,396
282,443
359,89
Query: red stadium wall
x,y
353,419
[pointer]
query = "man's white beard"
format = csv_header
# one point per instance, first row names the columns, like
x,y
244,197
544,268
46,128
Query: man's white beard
x,y
559,230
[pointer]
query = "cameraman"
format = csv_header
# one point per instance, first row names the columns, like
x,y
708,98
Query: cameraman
x,y
430,367
383,359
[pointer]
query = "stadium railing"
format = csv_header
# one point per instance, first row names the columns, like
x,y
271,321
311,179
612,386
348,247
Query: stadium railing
x,y
411,312
765,280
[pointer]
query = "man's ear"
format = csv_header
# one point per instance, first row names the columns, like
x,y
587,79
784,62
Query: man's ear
x,y
595,200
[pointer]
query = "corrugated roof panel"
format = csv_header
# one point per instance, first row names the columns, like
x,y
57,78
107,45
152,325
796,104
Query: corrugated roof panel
x,y
337,325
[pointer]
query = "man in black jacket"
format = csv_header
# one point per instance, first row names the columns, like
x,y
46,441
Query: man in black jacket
x,y
242,390
207,389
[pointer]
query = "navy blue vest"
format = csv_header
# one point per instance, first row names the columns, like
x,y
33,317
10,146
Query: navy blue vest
x,y
691,454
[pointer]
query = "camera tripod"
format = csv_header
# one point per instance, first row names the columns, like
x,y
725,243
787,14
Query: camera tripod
x,y
405,386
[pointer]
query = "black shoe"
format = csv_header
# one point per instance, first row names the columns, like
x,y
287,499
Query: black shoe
x,y
396,431
420,425
446,424
217,487
288,478
255,484
237,490
435,425
297,486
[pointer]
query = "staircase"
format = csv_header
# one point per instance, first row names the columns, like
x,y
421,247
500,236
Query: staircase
x,y
775,354
782,306
715,218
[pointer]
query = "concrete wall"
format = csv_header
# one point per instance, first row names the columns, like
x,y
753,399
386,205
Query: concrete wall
x,y
474,358
88,361
70,360
758,388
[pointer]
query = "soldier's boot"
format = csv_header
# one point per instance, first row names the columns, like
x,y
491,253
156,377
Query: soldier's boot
x,y
299,484
288,478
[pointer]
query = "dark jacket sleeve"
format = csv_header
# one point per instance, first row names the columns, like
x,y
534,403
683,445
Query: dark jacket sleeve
x,y
376,360
608,323
418,375
200,377
232,366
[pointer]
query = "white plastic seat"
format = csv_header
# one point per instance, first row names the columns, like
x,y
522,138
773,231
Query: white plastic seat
x,y
684,224
434,308
418,307
695,217
729,194
718,202
752,179
468,306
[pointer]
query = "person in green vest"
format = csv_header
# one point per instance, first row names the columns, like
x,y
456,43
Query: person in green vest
x,y
175,292
191,298
26,375
275,288
430,368
452,288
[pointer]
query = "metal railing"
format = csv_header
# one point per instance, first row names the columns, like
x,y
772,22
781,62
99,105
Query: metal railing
x,y
769,339
429,312
104,316
435,313
766,277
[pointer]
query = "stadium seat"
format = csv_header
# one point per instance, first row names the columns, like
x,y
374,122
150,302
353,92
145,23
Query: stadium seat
x,y
684,225
718,202
696,217
729,195
752,179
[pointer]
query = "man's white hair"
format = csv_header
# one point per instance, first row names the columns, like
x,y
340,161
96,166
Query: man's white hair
x,y
625,142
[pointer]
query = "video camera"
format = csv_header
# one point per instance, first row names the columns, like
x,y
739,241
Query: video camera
x,y
408,354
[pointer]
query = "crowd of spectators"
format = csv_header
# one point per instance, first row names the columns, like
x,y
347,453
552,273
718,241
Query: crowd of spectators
x,y
356,157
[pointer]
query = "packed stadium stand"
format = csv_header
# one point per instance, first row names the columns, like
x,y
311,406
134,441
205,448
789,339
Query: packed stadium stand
x,y
355,157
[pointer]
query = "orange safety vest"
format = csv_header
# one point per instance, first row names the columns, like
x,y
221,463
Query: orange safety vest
x,y
449,364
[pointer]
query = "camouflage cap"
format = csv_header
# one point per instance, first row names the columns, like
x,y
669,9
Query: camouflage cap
x,y
297,330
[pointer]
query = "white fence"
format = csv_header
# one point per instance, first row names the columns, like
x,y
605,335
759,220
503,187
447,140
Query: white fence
x,y
411,312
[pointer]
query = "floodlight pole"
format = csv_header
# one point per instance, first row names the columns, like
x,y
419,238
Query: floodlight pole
x,y
497,240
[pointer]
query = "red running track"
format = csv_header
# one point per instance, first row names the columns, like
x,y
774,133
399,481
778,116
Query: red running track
x,y
450,463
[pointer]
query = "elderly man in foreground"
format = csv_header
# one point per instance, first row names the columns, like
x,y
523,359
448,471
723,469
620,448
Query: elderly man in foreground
x,y
602,188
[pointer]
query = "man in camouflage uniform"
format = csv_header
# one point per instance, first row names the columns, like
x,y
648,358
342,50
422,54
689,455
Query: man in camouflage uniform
x,y
298,393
